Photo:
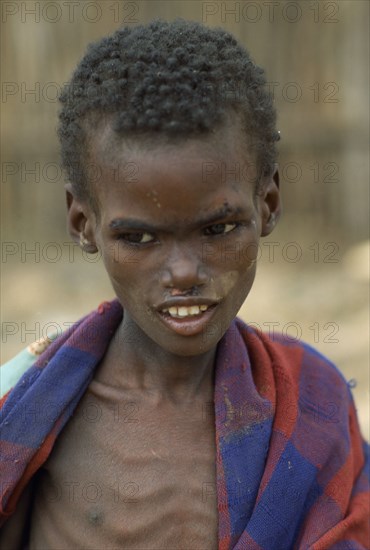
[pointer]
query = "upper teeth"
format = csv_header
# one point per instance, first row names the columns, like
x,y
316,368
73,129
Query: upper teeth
x,y
184,311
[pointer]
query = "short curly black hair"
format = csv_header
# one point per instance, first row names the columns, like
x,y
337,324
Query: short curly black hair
x,y
176,79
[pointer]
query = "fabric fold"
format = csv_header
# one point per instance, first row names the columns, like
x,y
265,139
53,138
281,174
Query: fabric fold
x,y
292,469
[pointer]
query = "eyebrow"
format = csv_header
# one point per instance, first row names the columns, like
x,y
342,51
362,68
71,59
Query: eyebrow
x,y
119,224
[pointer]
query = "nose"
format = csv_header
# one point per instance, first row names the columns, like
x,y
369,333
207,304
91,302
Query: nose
x,y
183,271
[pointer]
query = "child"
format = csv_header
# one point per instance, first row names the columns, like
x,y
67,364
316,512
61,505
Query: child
x,y
161,421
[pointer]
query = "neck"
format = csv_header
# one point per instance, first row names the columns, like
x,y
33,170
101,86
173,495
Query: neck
x,y
138,363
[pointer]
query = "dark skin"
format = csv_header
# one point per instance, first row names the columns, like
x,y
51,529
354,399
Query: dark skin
x,y
174,238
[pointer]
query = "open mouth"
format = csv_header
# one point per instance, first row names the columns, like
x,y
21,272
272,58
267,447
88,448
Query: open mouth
x,y
187,320
183,311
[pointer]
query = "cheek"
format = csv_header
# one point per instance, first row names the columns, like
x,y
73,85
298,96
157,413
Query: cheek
x,y
122,264
236,279
227,281
233,260
240,278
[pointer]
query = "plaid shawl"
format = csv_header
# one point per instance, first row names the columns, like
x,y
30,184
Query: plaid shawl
x,y
291,463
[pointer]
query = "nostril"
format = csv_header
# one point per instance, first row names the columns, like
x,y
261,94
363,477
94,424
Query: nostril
x,y
176,292
183,275
186,292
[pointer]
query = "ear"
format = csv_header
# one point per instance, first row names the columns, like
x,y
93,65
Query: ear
x,y
270,203
80,221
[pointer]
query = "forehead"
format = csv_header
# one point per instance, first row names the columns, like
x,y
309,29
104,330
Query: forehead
x,y
174,176
109,148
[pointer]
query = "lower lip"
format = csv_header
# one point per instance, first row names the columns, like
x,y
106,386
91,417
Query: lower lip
x,y
188,326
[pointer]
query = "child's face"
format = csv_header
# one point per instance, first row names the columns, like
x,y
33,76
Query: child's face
x,y
179,227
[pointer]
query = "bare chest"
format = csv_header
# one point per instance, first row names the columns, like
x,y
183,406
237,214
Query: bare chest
x,y
129,474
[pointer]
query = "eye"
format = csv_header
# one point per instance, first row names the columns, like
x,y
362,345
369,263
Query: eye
x,y
220,228
137,238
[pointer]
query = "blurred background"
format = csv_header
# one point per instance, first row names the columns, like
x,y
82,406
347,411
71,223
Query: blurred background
x,y
312,280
